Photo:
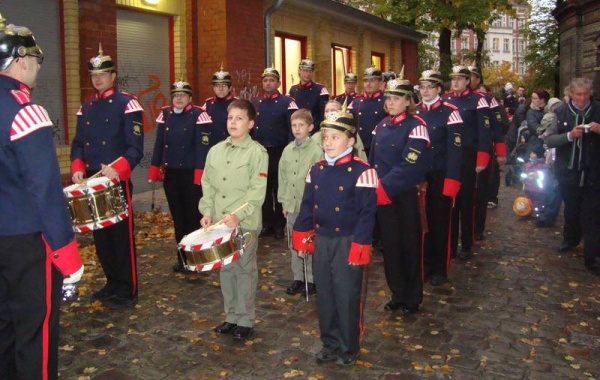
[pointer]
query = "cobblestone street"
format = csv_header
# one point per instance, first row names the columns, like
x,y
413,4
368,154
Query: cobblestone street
x,y
517,310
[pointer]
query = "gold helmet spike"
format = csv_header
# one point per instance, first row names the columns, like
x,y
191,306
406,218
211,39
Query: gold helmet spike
x,y
401,75
2,22
100,52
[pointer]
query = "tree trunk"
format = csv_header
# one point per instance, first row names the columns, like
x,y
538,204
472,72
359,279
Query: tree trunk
x,y
444,43
480,41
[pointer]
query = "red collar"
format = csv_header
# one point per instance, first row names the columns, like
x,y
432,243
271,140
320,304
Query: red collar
x,y
228,97
465,92
375,95
350,93
24,88
398,118
274,95
106,94
435,105
344,160
306,85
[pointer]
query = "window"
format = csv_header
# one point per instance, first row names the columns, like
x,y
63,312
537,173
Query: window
x,y
495,44
506,44
512,22
464,43
341,59
521,46
378,60
495,63
521,67
289,51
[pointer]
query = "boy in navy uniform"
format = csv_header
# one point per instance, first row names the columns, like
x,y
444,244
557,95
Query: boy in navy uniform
x,y
37,244
476,143
180,151
216,107
338,213
367,108
350,80
309,94
110,131
444,126
273,131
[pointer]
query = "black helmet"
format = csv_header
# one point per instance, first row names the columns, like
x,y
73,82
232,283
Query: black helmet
x,y
372,72
16,42
307,64
181,86
221,77
388,75
101,63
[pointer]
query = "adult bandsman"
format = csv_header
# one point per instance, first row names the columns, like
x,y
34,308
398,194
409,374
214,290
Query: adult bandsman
x,y
309,94
180,149
444,126
367,108
350,80
109,139
399,155
273,131
498,149
216,107
476,142
37,244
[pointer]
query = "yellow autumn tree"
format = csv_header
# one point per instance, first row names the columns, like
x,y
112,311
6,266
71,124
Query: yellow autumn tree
x,y
497,76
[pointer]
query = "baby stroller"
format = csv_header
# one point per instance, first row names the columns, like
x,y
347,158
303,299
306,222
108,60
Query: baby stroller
x,y
517,157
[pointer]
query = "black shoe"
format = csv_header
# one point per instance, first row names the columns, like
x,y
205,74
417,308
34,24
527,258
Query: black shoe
x,y
279,234
479,236
296,287
242,332
327,354
465,254
544,223
103,295
566,246
453,254
392,305
594,266
410,309
312,289
180,268
122,302
347,359
225,328
438,279
265,232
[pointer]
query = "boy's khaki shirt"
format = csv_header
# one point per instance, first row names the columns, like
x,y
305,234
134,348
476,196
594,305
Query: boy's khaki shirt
x,y
293,167
235,174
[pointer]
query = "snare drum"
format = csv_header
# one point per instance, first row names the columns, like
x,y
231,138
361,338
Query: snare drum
x,y
212,249
97,204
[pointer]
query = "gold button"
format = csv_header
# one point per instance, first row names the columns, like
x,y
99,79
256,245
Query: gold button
x,y
316,206
87,165
87,122
349,169
103,142
87,144
317,225
110,100
107,120
360,113
56,255
320,167
166,129
337,209
337,229
316,187
384,124
341,188
376,166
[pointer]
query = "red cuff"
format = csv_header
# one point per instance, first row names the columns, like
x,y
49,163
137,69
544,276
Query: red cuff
x,y
483,159
451,187
66,259
154,174
303,241
77,166
122,167
360,254
382,197
198,176
500,149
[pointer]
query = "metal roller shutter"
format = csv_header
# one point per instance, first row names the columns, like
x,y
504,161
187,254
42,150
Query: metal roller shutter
x,y
43,18
143,69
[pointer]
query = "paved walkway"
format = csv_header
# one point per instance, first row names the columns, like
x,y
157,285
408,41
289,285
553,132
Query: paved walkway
x,y
517,310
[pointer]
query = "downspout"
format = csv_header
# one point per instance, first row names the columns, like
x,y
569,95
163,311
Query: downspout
x,y
268,13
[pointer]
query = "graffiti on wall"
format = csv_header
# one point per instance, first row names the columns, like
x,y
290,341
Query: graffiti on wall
x,y
242,86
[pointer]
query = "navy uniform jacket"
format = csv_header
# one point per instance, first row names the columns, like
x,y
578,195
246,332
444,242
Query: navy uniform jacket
x,y
273,125
399,153
368,112
340,200
474,110
31,196
217,110
496,128
109,127
313,97
444,126
347,97
181,142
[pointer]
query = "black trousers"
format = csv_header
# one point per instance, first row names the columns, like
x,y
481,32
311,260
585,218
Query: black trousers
x,y
484,184
464,207
402,248
183,198
338,299
115,248
494,186
272,211
30,294
572,195
439,210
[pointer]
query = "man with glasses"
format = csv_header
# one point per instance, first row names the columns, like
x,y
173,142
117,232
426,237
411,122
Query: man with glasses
x,y
37,244
109,139
308,94
216,107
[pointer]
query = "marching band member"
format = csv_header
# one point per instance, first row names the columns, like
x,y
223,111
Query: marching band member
x,y
399,154
110,130
350,80
308,94
216,107
338,212
236,173
444,126
179,155
37,244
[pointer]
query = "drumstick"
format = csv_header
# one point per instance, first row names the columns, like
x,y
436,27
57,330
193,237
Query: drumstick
x,y
231,213
97,174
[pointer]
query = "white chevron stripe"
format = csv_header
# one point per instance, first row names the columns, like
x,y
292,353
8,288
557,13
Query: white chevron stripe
x,y
28,120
